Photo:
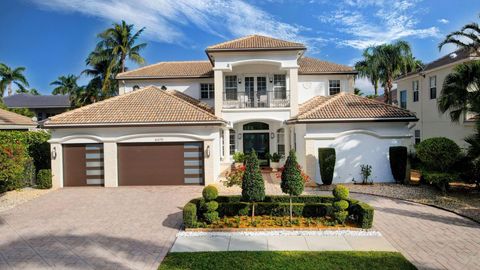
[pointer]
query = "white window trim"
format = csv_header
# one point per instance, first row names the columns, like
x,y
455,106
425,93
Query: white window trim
x,y
331,87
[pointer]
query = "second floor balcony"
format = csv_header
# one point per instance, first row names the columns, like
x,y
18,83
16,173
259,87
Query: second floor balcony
x,y
256,99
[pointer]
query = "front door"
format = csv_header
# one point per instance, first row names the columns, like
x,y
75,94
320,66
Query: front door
x,y
260,142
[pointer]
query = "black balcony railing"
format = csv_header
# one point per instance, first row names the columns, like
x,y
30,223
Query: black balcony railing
x,y
261,99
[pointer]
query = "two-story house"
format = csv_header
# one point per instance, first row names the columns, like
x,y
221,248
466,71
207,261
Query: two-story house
x,y
180,122
419,92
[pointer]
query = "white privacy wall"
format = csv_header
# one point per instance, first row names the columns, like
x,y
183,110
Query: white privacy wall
x,y
355,144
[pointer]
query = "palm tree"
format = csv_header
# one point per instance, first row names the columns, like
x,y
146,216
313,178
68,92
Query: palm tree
x,y
391,61
9,76
467,38
98,62
65,85
357,91
461,91
120,42
367,69
31,91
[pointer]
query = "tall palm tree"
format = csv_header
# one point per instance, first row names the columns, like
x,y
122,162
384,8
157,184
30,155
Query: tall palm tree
x,y
120,42
392,60
468,37
25,90
99,62
461,91
65,84
9,76
367,69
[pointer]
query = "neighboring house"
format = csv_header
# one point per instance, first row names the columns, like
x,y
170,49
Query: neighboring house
x,y
254,92
13,121
419,93
42,106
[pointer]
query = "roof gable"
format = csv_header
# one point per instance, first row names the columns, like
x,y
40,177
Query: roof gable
x,y
147,106
255,42
350,107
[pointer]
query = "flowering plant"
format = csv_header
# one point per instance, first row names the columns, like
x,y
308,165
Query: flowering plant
x,y
234,177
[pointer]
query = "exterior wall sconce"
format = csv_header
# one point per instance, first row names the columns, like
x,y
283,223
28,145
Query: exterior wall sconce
x,y
207,151
239,136
270,79
239,81
54,153
272,135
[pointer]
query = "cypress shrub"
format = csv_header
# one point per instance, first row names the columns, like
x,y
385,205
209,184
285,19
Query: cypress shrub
x,y
326,161
398,162
253,187
292,180
210,193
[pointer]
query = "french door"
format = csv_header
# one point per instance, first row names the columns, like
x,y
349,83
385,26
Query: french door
x,y
256,91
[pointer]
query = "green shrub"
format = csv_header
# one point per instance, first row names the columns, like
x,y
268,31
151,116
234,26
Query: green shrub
x,y
439,179
28,175
341,192
253,186
292,180
238,157
36,143
44,179
190,215
398,162
210,193
13,158
362,213
438,154
211,206
340,216
211,217
340,205
326,160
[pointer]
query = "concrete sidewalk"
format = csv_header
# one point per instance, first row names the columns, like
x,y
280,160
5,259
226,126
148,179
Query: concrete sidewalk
x,y
281,242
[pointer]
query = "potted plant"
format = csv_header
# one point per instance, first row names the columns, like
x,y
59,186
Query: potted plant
x,y
238,158
274,160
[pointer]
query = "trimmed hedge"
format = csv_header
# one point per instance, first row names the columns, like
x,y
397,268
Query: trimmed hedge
x,y
190,215
305,206
398,162
326,160
438,154
44,179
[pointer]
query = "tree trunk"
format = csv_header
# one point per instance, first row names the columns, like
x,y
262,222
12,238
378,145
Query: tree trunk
x,y
291,214
122,62
10,88
253,212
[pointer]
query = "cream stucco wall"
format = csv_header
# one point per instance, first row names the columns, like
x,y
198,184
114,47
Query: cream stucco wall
x,y
111,136
355,144
310,86
431,122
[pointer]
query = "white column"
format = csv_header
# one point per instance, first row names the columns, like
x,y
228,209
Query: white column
x,y
210,166
226,145
110,164
293,85
57,165
218,79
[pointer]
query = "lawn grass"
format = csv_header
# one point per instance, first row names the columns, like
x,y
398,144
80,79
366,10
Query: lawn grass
x,y
331,260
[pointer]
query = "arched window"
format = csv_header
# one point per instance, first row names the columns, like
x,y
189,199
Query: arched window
x,y
281,141
232,141
256,126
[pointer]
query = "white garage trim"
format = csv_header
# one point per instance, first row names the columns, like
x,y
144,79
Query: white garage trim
x,y
330,136
162,137
78,139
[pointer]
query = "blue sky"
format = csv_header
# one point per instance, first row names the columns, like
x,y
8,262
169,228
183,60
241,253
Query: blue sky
x,y
53,37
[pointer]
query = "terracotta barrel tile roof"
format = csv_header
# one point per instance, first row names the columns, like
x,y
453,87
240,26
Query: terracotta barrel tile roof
x,y
185,69
11,118
255,42
146,106
316,66
349,107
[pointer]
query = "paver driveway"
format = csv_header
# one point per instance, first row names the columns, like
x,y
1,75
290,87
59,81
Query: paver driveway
x,y
93,228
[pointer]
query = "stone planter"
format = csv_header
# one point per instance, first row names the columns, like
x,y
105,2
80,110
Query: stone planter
x,y
274,166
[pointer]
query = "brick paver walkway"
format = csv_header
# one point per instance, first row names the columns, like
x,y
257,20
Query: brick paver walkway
x,y
93,228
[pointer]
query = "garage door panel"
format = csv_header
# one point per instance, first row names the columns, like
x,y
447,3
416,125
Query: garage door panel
x,y
83,164
160,163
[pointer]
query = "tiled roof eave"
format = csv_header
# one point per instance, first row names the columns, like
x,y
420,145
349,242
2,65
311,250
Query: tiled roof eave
x,y
162,77
339,120
123,124
256,49
328,72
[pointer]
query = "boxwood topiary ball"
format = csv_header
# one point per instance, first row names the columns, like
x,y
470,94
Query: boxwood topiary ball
x,y
210,193
340,205
212,206
341,192
211,217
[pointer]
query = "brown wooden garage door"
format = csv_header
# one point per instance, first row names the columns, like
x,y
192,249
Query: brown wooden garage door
x,y
160,163
83,165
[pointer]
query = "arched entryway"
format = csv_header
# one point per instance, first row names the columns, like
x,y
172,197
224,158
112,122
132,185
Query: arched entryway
x,y
256,136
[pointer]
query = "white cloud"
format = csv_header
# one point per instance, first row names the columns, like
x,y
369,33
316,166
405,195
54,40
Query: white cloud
x,y
373,22
444,21
166,20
